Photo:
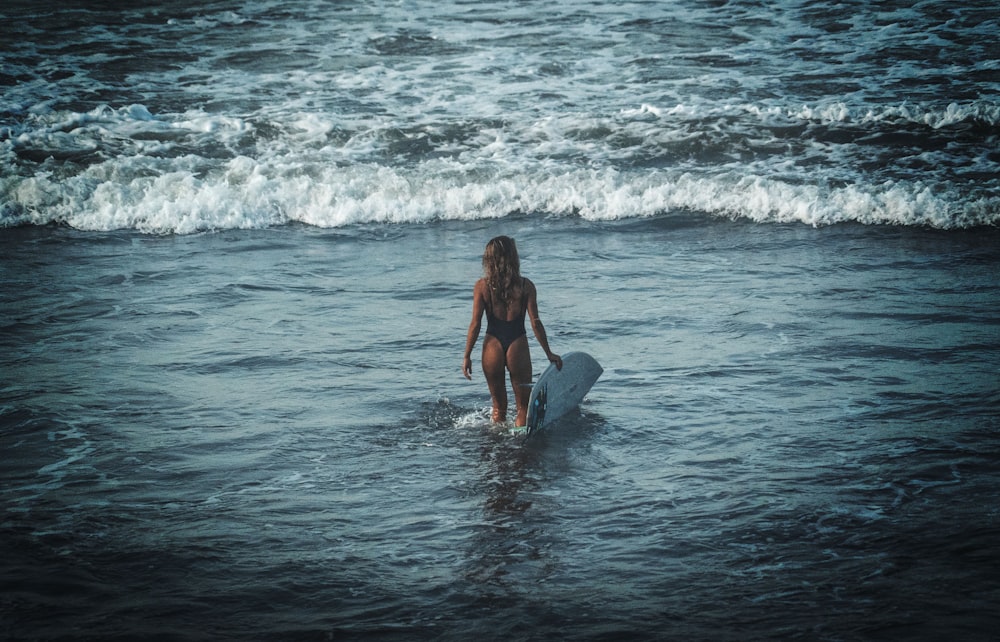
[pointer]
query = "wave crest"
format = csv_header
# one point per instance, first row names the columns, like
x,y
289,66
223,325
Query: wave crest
x,y
249,194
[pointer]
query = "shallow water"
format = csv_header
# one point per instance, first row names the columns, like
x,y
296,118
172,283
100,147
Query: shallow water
x,y
266,434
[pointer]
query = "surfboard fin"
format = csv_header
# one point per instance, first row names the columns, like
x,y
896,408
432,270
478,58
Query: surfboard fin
x,y
538,408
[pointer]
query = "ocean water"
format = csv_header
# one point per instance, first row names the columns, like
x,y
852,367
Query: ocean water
x,y
237,248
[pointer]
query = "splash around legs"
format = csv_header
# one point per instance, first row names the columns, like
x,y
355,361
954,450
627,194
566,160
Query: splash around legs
x,y
516,360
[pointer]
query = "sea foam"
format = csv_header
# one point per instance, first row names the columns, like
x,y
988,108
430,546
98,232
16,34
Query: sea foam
x,y
246,193
129,168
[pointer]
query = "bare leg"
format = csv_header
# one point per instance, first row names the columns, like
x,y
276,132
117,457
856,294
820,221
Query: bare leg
x,y
493,367
519,364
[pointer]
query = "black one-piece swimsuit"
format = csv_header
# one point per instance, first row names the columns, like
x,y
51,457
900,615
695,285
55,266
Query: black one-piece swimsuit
x,y
506,332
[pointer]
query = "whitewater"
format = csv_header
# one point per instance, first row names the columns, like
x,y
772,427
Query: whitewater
x,y
185,119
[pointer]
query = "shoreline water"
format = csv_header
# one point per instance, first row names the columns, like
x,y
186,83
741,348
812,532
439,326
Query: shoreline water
x,y
265,434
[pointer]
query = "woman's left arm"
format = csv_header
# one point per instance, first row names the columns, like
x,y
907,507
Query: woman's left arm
x,y
537,327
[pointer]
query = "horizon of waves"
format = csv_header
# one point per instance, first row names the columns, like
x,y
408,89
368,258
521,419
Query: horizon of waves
x,y
128,169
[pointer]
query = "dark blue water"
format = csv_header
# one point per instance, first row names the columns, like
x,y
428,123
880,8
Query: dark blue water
x,y
266,434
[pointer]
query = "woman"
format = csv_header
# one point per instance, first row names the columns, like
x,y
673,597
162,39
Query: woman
x,y
505,296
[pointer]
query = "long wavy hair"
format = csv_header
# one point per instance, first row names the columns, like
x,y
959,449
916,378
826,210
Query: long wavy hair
x,y
502,270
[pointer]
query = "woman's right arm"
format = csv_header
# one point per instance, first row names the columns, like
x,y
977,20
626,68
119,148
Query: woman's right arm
x,y
478,307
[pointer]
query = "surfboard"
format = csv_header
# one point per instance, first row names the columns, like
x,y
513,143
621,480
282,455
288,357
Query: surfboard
x,y
559,391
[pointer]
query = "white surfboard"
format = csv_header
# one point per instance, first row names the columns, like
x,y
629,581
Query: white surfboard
x,y
558,391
